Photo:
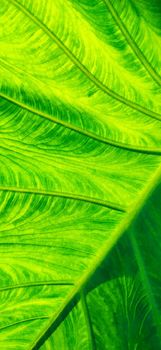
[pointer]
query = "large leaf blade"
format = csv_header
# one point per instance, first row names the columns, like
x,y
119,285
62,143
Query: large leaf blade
x,y
70,170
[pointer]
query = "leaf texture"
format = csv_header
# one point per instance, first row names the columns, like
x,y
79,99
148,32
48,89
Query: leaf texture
x,y
80,130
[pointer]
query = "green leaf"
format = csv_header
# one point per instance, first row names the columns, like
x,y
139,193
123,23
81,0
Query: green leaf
x,y
80,126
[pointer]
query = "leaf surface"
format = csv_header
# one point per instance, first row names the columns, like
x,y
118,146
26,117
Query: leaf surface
x,y
80,126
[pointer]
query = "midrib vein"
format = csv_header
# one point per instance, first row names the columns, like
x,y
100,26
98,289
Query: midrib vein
x,y
66,195
69,302
146,150
82,68
154,75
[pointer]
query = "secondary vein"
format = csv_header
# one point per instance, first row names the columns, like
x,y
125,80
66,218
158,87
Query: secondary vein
x,y
146,150
23,321
78,197
37,284
155,76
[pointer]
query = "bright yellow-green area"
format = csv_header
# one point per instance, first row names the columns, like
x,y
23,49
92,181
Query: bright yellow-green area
x,y
80,149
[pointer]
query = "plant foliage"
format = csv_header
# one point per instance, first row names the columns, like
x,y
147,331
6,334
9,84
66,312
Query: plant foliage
x,y
80,193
